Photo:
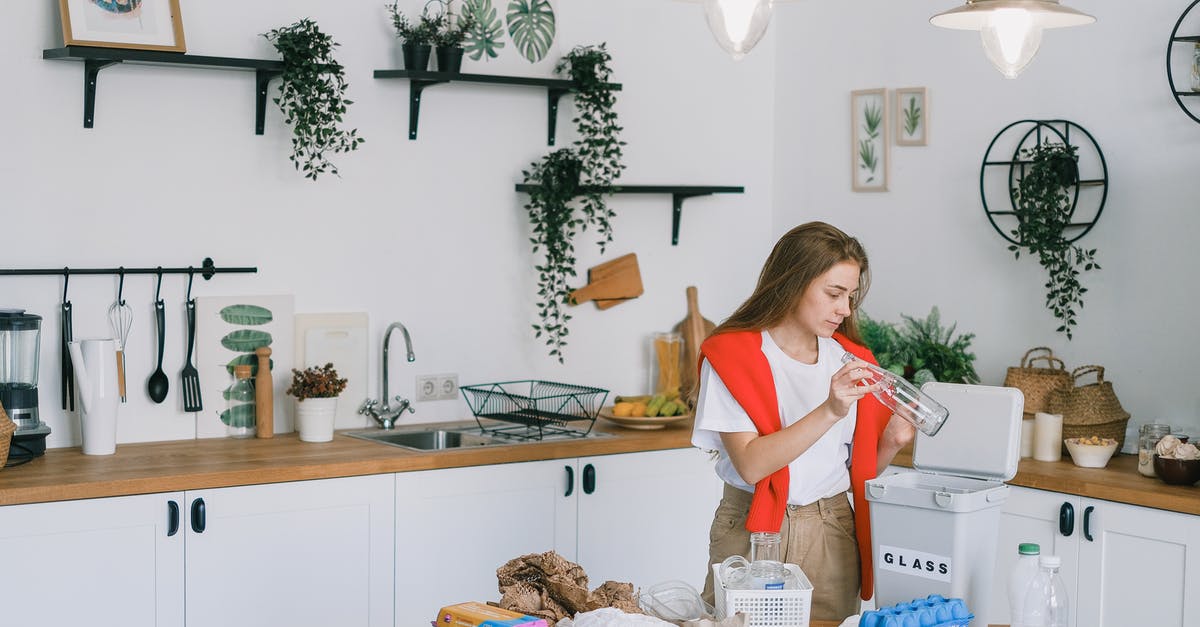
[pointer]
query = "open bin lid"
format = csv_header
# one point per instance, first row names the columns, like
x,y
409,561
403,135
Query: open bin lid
x,y
982,436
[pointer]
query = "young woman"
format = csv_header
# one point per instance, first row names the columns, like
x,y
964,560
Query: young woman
x,y
794,427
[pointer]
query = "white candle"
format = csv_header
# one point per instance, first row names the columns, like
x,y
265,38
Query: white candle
x,y
1047,437
1027,438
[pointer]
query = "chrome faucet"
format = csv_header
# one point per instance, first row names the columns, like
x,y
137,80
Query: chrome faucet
x,y
386,416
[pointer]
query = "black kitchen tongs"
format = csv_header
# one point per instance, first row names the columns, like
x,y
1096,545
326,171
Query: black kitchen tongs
x,y
68,372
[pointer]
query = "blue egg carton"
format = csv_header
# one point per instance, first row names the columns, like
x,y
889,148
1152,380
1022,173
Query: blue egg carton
x,y
932,611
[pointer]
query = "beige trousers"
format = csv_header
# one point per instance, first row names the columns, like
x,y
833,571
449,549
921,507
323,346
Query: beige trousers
x,y
819,538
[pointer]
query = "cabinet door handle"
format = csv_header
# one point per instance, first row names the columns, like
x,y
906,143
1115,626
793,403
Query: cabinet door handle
x,y
1087,523
172,518
198,516
1066,519
570,481
589,479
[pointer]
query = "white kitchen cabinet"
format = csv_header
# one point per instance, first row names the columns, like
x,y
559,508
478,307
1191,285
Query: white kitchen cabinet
x,y
1122,564
99,562
635,517
306,553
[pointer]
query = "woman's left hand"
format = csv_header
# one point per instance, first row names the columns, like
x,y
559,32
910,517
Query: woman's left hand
x,y
898,433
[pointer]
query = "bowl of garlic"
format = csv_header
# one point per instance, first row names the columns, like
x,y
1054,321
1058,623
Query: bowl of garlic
x,y
1177,462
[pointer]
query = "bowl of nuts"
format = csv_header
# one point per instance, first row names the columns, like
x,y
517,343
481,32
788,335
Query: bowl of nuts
x,y
1093,452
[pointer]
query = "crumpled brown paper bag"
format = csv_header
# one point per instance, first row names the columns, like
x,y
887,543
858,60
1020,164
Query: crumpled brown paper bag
x,y
548,586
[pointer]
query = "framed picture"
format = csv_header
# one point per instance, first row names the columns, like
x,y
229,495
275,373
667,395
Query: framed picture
x,y
912,116
869,140
135,24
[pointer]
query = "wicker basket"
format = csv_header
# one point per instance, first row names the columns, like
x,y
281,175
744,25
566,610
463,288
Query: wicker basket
x,y
1036,383
7,427
1089,409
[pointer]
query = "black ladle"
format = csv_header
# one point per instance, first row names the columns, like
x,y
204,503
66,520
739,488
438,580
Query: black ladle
x,y
158,384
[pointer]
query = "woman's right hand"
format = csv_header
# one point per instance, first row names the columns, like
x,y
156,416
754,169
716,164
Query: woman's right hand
x,y
845,388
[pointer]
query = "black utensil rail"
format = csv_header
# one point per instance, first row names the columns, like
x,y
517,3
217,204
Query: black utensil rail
x,y
534,409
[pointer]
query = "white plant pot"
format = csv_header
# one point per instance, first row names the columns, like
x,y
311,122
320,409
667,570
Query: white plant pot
x,y
314,419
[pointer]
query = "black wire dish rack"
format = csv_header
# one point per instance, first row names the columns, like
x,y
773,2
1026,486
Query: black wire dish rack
x,y
534,410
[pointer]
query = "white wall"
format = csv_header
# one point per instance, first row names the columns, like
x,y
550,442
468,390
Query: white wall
x,y
929,240
427,232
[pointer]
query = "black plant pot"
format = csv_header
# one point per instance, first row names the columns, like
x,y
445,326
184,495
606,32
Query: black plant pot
x,y
449,59
416,56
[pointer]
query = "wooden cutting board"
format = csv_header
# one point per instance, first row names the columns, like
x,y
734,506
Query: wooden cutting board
x,y
616,280
694,328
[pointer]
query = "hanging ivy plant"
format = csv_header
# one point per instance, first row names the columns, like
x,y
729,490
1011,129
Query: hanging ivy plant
x,y
554,226
1043,206
486,35
599,144
589,167
312,97
531,26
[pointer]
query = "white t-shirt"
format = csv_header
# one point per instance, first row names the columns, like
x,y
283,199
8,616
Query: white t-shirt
x,y
820,472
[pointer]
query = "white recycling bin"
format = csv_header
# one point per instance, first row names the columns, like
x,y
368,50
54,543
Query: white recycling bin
x,y
934,530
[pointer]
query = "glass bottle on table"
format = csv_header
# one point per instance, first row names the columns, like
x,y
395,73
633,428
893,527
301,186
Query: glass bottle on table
x,y
239,408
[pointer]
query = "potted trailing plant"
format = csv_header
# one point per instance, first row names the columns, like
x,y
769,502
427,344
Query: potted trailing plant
x,y
416,39
920,350
449,39
1043,206
589,168
312,97
316,390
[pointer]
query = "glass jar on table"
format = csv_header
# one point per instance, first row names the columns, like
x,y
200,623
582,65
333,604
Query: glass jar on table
x,y
1148,437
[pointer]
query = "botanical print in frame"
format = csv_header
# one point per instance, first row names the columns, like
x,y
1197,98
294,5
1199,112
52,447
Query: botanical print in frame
x,y
869,140
132,24
912,116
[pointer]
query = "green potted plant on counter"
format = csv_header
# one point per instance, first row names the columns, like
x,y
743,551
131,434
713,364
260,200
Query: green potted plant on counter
x,y
316,390
920,350
1043,206
312,97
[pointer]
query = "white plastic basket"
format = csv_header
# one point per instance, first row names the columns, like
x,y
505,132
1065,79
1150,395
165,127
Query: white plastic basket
x,y
766,608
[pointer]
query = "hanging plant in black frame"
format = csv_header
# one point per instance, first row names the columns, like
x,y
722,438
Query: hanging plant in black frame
x,y
589,169
1042,203
312,97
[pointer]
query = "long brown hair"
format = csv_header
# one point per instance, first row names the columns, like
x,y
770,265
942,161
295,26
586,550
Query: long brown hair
x,y
800,256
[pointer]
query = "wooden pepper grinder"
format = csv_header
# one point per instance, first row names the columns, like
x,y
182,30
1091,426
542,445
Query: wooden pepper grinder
x,y
264,410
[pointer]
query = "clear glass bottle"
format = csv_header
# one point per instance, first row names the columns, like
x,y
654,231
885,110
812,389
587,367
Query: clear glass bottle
x,y
665,353
1046,603
239,409
1148,437
903,398
766,569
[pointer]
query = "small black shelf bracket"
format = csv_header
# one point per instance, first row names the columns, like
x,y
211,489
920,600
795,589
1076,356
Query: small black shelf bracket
x,y
555,90
679,193
95,59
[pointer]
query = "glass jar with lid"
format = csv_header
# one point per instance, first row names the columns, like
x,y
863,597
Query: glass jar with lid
x,y
1148,438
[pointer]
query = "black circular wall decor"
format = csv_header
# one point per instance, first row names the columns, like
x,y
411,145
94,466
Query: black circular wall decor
x,y
1003,157
1176,38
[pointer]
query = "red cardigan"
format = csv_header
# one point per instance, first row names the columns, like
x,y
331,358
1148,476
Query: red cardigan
x,y
738,359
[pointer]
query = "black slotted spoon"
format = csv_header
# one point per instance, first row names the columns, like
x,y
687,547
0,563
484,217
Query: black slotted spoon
x,y
189,375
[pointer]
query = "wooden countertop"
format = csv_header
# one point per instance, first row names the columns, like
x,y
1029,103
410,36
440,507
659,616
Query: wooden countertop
x,y
65,474
1119,481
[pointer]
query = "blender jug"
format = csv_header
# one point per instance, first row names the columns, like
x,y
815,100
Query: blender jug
x,y
20,343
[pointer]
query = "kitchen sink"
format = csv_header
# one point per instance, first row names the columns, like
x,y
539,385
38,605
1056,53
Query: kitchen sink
x,y
452,436
426,440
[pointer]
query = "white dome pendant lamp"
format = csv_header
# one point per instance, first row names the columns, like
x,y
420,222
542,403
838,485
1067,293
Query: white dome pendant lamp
x,y
738,25
1011,30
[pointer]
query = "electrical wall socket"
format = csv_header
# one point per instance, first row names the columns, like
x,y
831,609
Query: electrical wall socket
x,y
437,387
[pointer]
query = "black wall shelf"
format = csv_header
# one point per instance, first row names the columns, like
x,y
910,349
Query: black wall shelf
x,y
1192,40
95,59
678,193
419,80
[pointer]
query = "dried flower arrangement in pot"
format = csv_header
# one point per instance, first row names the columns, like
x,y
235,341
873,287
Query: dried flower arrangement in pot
x,y
320,387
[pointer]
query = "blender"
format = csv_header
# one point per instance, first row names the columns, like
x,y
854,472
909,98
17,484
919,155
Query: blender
x,y
20,342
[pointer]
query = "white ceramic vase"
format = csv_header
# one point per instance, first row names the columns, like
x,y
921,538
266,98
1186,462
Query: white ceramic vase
x,y
314,419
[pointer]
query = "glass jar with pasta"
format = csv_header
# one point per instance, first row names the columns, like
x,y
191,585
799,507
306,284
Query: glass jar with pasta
x,y
665,351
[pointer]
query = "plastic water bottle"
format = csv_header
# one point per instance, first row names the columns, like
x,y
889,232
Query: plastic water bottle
x,y
1046,603
1019,579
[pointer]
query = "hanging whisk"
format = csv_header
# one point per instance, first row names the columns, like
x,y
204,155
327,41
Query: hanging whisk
x,y
120,318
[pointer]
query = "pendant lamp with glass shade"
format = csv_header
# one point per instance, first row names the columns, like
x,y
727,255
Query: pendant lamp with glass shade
x,y
1011,30
738,25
